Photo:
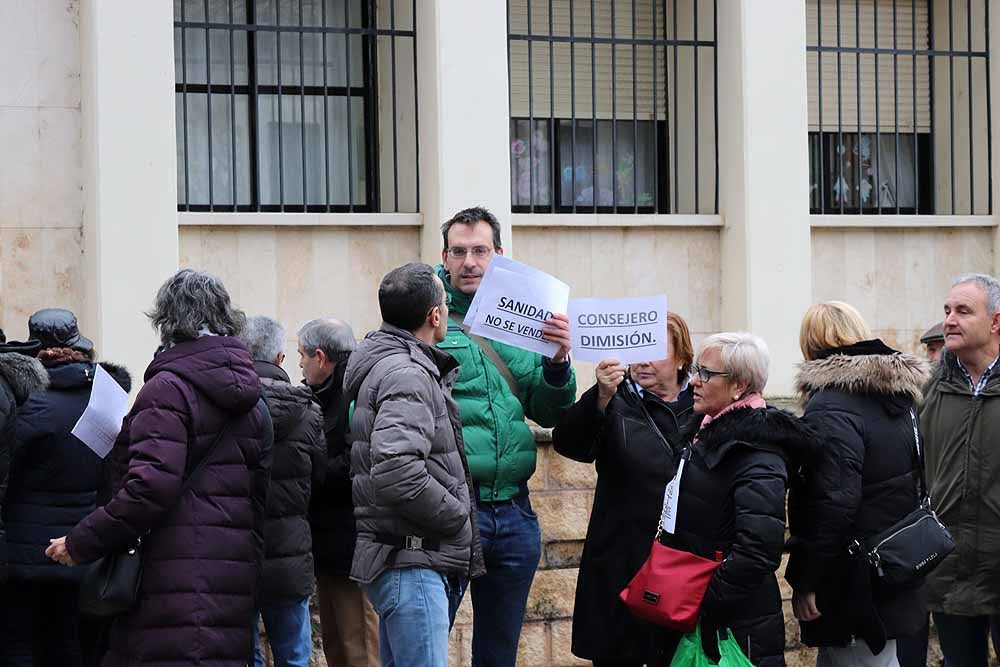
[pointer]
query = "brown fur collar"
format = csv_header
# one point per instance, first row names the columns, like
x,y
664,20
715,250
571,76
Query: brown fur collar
x,y
891,374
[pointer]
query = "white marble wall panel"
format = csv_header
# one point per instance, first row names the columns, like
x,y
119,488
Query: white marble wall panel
x,y
41,201
896,278
39,268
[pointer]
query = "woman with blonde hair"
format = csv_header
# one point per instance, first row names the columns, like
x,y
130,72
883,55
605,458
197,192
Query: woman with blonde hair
x,y
859,395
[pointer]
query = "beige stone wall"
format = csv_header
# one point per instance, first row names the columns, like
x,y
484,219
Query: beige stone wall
x,y
41,181
295,274
897,278
682,262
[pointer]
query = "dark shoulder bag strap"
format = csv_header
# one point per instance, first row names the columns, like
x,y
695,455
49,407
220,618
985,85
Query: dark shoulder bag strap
x,y
491,353
918,463
198,467
635,397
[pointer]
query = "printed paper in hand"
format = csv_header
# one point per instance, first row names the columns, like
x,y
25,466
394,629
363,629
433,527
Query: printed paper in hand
x,y
100,423
501,262
629,330
513,307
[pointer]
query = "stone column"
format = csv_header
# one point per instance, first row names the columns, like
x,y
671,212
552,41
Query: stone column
x,y
994,74
463,112
764,192
130,171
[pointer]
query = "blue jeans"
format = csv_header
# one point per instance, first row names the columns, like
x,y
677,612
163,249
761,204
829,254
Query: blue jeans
x,y
512,547
412,607
289,632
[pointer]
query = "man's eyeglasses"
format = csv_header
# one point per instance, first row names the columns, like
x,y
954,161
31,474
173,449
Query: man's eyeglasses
x,y
479,252
707,374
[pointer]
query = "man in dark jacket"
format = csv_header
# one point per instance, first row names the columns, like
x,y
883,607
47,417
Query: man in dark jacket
x,y
348,622
287,578
410,476
20,375
960,419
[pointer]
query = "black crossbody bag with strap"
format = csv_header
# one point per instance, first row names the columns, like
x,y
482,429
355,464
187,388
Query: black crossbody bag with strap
x,y
914,545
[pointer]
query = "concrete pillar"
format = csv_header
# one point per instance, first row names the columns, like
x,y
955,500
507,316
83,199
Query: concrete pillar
x,y
994,74
764,195
463,110
130,171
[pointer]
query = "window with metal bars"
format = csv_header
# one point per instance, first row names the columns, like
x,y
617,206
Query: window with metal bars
x,y
899,107
614,106
296,105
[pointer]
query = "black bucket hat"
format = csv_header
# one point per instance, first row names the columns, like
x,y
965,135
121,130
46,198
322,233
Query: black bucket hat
x,y
57,327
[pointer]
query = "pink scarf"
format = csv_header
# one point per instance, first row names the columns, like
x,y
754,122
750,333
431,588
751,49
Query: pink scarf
x,y
753,400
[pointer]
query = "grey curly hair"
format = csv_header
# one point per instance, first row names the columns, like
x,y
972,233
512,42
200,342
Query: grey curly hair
x,y
190,302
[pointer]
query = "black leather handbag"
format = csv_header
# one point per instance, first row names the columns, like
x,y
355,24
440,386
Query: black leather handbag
x,y
913,546
110,585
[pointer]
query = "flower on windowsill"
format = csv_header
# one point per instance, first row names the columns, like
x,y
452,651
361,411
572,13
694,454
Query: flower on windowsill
x,y
517,147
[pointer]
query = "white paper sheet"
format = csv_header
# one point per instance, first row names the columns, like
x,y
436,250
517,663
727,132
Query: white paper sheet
x,y
101,421
501,262
513,307
629,330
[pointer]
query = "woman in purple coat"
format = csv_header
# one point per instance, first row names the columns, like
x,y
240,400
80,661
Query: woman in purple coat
x,y
201,551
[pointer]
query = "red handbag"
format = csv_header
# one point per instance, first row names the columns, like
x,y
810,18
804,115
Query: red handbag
x,y
669,587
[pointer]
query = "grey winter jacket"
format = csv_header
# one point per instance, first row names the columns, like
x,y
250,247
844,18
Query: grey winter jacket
x,y
408,467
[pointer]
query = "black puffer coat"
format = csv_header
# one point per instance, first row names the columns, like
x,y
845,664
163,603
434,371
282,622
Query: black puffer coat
x,y
861,483
732,499
287,575
331,512
20,375
634,465
54,476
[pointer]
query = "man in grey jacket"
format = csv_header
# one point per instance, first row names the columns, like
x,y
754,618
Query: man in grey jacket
x,y
410,479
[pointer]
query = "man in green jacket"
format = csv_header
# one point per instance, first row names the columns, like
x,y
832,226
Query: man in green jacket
x,y
960,420
498,386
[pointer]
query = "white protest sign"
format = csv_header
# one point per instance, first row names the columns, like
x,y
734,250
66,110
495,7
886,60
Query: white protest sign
x,y
501,262
629,330
514,306
101,421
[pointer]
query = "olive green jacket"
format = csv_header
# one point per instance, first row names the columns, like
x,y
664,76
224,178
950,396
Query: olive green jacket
x,y
961,434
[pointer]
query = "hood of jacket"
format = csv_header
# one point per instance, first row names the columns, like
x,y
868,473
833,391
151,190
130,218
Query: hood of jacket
x,y
767,429
389,341
219,367
81,374
23,375
895,374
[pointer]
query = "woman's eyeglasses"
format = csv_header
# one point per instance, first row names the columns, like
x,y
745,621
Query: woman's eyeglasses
x,y
706,374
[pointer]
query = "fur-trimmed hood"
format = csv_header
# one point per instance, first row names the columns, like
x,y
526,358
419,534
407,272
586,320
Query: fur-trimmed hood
x,y
767,429
23,374
881,374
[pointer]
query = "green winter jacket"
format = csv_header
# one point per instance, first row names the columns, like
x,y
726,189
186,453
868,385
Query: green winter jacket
x,y
498,442
963,465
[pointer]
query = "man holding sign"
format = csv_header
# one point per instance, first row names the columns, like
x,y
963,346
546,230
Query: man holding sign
x,y
497,387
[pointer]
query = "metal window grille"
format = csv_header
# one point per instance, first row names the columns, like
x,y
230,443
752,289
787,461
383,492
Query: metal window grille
x,y
296,105
899,107
614,106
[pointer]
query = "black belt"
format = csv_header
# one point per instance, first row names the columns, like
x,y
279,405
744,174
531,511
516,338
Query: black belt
x,y
408,542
